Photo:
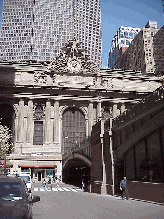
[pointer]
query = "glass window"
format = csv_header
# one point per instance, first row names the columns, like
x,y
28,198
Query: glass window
x,y
154,157
130,165
130,35
126,34
141,172
10,191
127,42
75,118
38,133
163,144
121,34
49,173
122,41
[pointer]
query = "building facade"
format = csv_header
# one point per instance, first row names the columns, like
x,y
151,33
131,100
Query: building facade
x,y
131,145
121,42
143,53
37,29
53,106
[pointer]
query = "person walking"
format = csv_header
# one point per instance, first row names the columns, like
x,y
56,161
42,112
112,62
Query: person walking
x,y
50,183
123,188
82,184
44,184
57,183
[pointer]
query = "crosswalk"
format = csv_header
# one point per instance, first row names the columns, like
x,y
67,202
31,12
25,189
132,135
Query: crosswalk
x,y
57,189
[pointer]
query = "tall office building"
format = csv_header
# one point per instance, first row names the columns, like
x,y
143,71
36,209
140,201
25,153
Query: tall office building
x,y
37,29
120,43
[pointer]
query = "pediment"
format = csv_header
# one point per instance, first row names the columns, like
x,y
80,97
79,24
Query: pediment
x,y
72,61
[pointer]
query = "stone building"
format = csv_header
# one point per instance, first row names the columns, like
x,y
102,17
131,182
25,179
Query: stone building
x,y
52,106
143,53
159,51
131,145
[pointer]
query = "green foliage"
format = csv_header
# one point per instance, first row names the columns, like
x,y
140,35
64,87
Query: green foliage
x,y
5,140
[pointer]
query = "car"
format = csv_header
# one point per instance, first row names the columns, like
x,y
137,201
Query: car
x,y
27,178
15,200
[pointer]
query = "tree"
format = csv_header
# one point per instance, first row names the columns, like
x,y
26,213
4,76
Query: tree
x,y
6,145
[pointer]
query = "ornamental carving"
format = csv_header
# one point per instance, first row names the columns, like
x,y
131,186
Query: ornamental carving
x,y
73,61
106,113
107,83
38,111
40,77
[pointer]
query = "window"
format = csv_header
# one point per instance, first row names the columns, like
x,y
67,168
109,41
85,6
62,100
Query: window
x,y
141,172
38,133
130,35
127,42
126,34
130,164
154,157
121,34
73,128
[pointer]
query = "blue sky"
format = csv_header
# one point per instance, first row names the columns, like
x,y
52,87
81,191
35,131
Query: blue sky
x,y
131,13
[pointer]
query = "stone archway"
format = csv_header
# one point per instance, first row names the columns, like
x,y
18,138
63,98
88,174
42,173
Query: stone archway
x,y
7,114
76,168
77,156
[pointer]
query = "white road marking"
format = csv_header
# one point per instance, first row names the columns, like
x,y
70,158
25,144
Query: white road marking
x,y
57,189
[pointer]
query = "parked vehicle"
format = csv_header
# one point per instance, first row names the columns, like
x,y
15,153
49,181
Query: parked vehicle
x,y
15,200
27,179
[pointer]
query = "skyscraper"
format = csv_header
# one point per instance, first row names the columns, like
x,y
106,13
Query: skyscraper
x,y
37,29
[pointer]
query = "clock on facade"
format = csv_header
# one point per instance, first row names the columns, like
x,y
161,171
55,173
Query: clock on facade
x,y
74,65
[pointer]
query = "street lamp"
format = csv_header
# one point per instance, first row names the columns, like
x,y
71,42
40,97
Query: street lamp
x,y
99,96
64,142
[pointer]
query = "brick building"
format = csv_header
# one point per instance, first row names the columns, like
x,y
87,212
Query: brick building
x,y
143,53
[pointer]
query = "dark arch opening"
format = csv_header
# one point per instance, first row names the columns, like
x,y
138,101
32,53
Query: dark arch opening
x,y
75,171
6,113
7,118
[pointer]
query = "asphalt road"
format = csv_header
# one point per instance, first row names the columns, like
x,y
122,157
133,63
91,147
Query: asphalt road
x,y
81,205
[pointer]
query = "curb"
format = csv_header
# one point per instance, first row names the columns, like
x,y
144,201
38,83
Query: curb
x,y
146,201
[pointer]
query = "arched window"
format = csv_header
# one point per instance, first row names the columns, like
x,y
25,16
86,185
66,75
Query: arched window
x,y
73,128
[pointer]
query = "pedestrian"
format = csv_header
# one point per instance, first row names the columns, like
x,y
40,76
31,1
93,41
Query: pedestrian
x,y
82,184
44,184
123,188
57,183
50,183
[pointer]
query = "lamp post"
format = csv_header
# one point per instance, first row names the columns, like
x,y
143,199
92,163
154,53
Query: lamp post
x,y
99,97
64,142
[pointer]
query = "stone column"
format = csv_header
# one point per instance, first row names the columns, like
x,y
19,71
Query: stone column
x,y
29,135
123,107
116,111
90,118
47,121
56,123
20,121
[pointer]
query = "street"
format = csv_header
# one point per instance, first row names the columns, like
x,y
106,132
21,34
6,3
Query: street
x,y
76,204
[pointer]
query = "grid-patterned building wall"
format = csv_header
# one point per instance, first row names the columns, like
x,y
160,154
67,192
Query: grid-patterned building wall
x,y
37,29
159,51
140,55
15,38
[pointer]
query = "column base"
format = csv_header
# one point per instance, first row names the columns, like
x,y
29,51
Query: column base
x,y
103,189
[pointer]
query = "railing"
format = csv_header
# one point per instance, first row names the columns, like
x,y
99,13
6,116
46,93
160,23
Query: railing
x,y
77,146
145,104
